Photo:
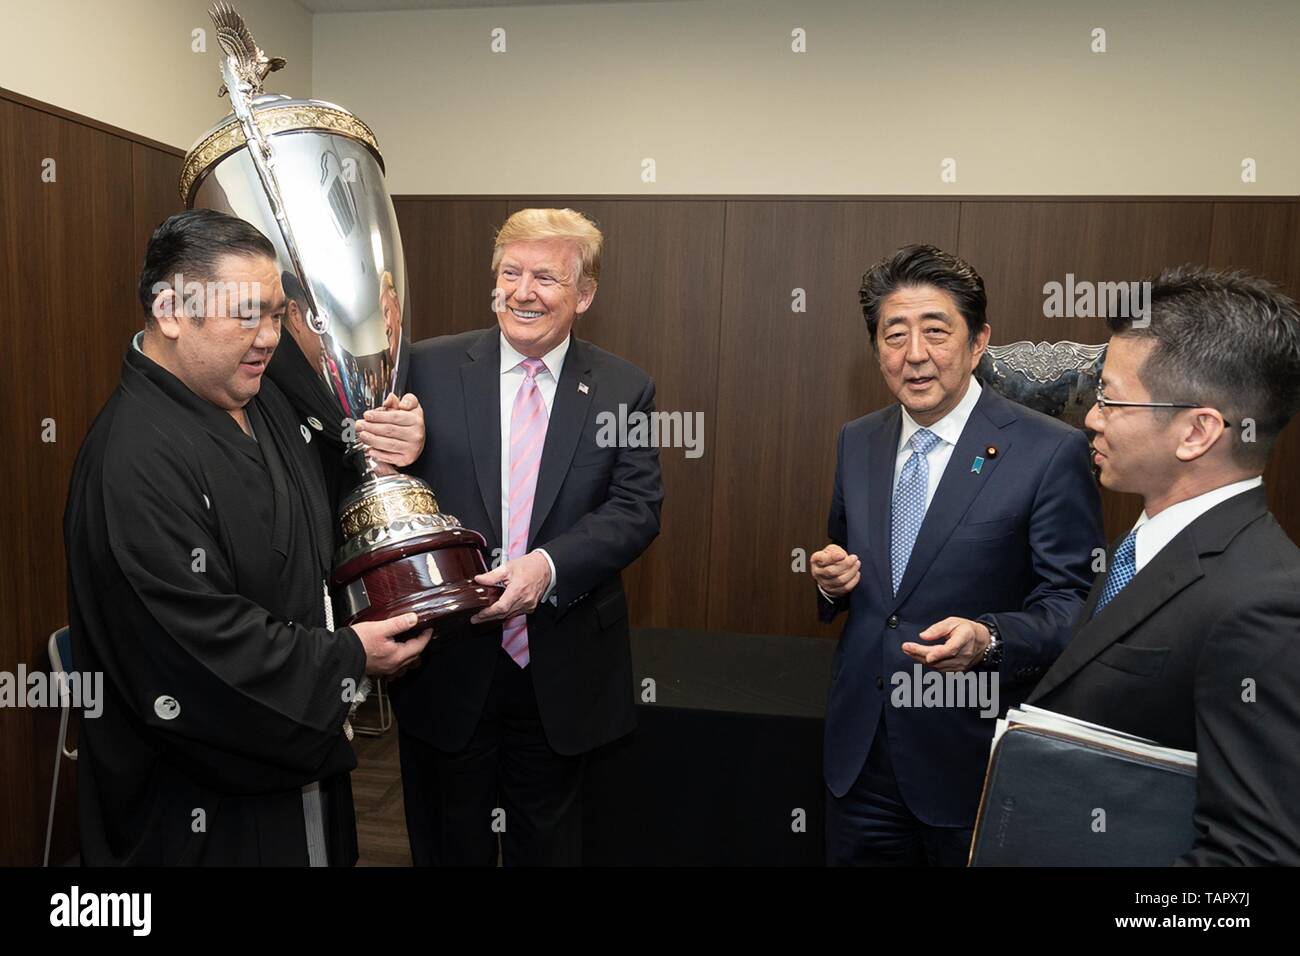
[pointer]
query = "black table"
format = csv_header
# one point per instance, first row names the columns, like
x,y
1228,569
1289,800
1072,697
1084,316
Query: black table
x,y
722,761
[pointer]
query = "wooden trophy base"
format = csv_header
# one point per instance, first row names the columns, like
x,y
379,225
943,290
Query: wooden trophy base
x,y
430,574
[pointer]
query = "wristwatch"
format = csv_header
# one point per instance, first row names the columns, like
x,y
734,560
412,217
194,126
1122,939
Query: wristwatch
x,y
993,652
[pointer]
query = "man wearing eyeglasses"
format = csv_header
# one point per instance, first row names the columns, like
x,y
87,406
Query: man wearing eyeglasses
x,y
1191,637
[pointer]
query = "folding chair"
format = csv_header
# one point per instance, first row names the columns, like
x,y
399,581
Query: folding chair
x,y
60,647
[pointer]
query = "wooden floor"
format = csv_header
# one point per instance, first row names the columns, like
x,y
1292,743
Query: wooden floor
x,y
377,795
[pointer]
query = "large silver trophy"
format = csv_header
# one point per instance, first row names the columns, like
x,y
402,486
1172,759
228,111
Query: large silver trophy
x,y
310,176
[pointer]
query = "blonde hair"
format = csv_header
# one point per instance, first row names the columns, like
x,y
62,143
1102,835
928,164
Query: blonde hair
x,y
530,225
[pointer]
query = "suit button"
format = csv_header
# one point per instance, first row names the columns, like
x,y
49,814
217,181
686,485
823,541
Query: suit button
x,y
880,681
892,620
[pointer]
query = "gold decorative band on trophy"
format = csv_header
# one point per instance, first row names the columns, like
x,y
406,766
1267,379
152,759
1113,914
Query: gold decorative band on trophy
x,y
383,502
290,117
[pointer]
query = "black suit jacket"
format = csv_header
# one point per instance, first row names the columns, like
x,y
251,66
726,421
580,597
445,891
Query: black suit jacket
x,y
595,510
1174,658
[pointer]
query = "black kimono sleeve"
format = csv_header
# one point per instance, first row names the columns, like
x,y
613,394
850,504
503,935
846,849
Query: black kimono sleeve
x,y
241,700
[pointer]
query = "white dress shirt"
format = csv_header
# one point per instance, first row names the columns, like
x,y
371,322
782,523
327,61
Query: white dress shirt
x,y
1154,533
512,376
948,429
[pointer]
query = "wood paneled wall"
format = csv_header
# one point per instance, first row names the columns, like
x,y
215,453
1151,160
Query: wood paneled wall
x,y
71,257
699,292
696,290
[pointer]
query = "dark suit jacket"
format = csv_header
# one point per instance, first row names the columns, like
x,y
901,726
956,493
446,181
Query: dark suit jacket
x,y
1168,659
1014,541
594,511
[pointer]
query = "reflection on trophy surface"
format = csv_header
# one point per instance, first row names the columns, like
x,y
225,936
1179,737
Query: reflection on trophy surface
x,y
310,176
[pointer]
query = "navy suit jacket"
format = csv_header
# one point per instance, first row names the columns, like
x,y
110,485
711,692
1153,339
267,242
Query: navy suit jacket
x,y
1013,541
595,510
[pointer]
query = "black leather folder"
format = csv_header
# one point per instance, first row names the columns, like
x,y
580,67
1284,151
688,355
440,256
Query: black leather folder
x,y
1043,791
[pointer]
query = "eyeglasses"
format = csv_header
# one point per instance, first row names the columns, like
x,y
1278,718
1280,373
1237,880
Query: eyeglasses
x,y
1104,402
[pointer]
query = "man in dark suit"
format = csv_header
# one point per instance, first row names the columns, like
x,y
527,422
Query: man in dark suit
x,y
493,727
1191,638
962,529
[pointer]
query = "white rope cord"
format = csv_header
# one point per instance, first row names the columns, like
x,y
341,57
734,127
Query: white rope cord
x,y
363,691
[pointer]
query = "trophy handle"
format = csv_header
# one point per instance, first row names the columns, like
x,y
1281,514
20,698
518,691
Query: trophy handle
x,y
235,71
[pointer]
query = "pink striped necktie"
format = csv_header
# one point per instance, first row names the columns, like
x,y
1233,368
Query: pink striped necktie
x,y
528,421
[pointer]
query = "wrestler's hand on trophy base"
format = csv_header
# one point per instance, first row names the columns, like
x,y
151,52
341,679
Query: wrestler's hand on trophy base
x,y
386,656
836,572
526,580
394,434
963,644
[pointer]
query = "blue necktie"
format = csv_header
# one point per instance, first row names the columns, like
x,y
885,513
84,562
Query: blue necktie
x,y
909,502
1123,567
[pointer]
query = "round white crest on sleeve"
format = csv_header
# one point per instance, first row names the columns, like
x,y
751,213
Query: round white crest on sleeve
x,y
167,707
306,435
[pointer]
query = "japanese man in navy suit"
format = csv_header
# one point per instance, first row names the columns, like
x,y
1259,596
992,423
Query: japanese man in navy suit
x,y
962,534
1191,637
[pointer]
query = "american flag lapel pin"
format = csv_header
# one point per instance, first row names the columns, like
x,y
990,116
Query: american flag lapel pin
x,y
582,387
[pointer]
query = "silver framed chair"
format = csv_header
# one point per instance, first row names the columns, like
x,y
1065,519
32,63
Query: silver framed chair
x,y
60,650
385,706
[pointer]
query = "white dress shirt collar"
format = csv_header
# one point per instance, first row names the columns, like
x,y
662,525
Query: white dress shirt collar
x,y
948,428
1154,533
553,360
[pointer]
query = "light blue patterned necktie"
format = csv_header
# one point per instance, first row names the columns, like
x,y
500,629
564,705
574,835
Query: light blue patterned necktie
x,y
1123,568
909,502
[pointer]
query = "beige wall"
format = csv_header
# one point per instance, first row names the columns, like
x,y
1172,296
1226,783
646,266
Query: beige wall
x,y
710,90
130,63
